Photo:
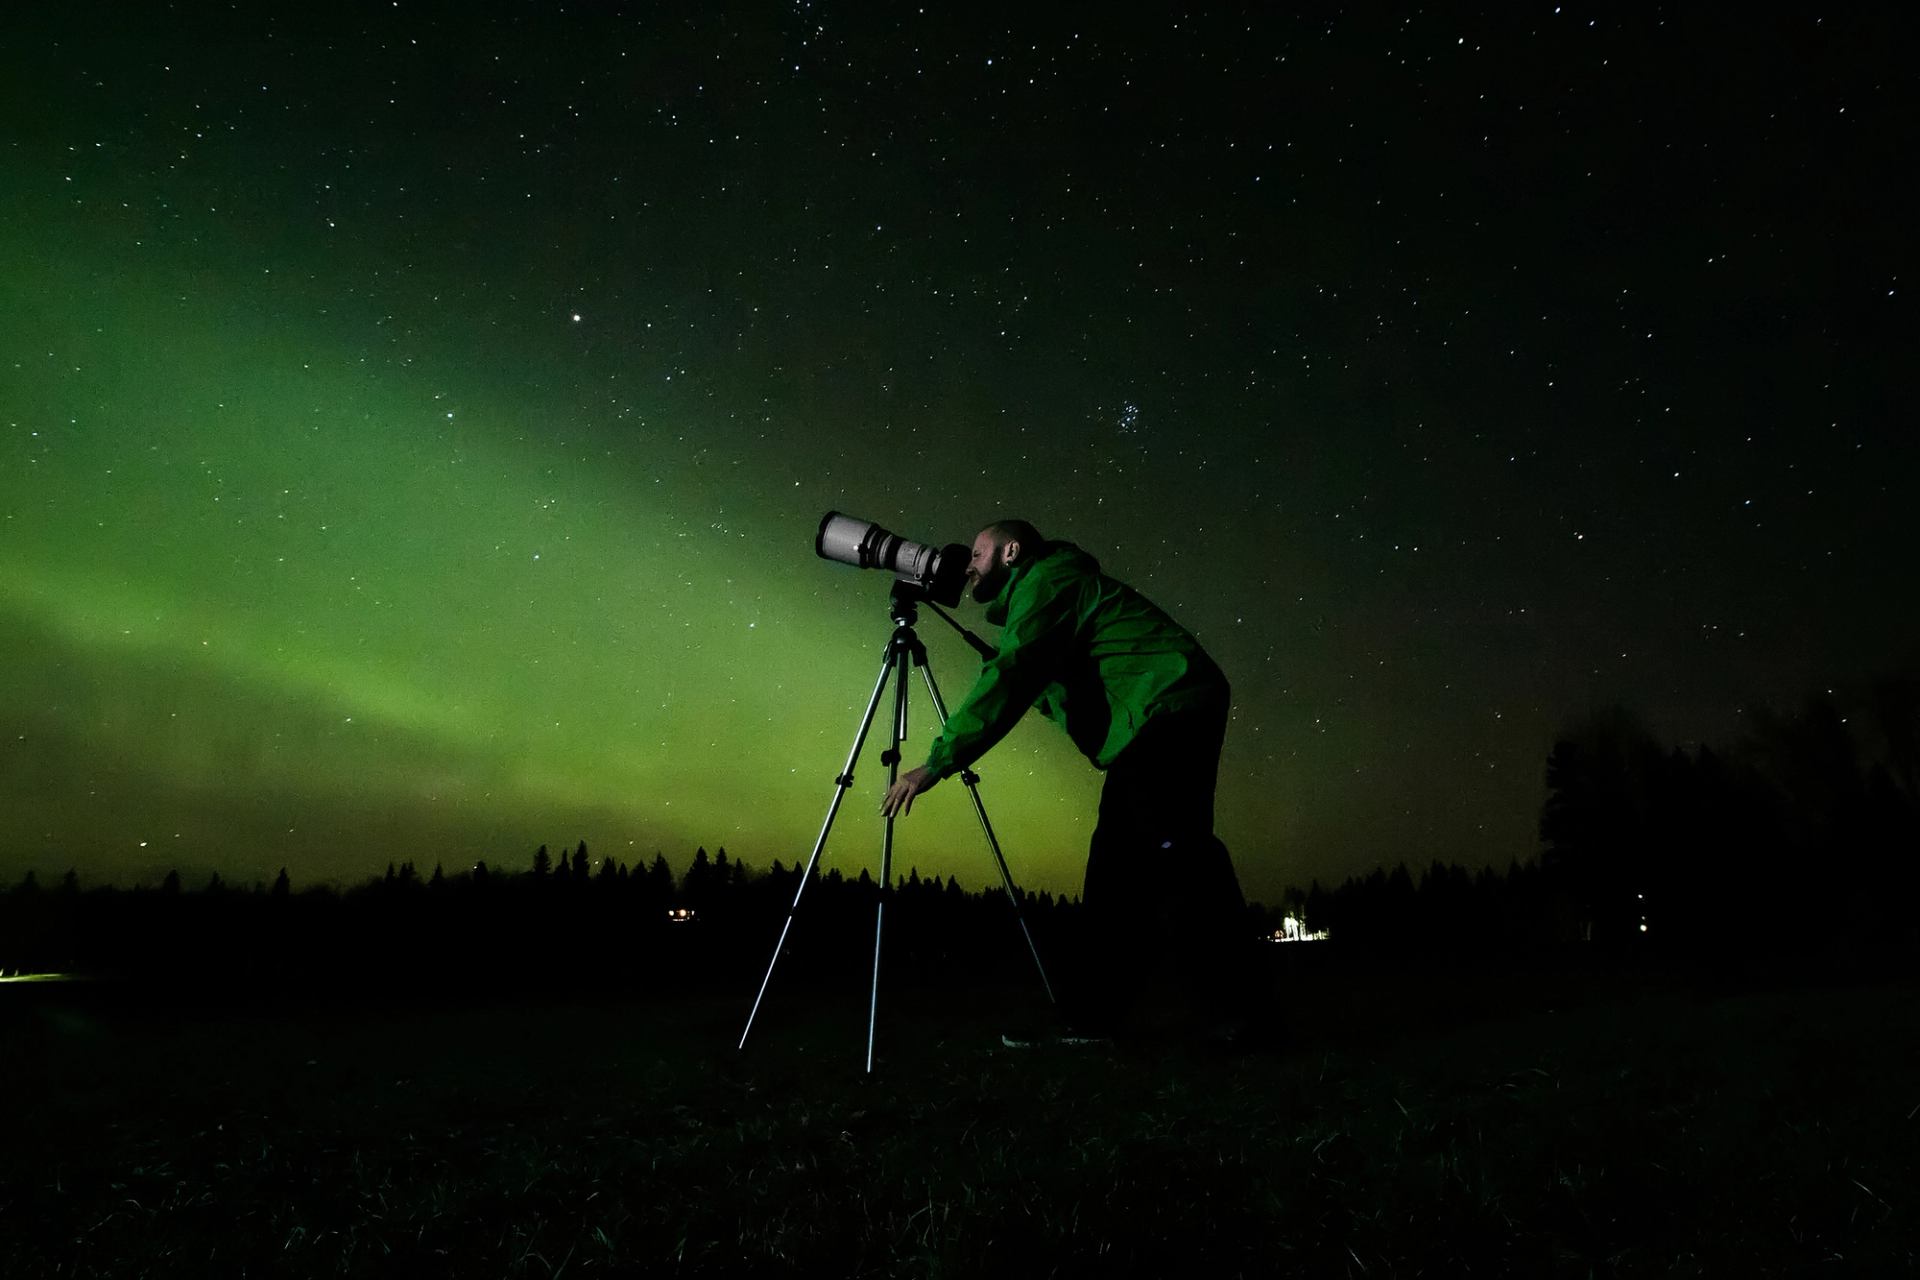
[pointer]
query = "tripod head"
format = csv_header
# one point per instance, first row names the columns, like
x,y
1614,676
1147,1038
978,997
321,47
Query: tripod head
x,y
904,608
904,601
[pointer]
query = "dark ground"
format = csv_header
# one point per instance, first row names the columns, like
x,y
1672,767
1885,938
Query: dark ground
x,y
1426,1123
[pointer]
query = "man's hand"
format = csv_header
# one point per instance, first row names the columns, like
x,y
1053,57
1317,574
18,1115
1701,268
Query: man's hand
x,y
900,795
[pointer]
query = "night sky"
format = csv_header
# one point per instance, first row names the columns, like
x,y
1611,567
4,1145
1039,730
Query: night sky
x,y
417,418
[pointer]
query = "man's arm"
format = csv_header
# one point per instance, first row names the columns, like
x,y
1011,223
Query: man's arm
x,y
1033,646
1038,634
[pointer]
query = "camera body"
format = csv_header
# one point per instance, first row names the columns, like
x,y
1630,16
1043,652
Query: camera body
x,y
939,573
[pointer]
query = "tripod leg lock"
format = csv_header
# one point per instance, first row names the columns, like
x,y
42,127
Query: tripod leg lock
x,y
890,757
844,780
969,777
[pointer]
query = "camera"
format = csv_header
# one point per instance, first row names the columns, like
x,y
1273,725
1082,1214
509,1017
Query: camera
x,y
939,573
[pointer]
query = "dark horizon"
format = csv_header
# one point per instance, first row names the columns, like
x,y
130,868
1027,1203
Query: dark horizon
x,y
1870,736
1649,851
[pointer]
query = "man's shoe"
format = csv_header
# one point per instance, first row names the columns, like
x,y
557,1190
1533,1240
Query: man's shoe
x,y
1053,1037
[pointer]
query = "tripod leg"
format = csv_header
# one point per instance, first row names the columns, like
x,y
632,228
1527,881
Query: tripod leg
x,y
902,660
1006,877
841,784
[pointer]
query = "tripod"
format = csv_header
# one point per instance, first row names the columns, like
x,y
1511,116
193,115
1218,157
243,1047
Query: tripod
x,y
904,650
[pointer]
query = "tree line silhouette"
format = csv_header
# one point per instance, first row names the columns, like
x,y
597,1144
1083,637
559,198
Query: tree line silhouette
x,y
1801,844
1798,847
576,921
1803,838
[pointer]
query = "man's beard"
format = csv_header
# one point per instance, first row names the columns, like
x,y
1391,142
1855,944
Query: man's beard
x,y
988,585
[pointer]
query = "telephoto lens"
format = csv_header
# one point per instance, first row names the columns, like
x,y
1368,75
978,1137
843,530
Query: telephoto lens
x,y
939,572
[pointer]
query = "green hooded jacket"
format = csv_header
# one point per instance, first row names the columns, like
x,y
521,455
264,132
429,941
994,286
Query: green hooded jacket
x,y
1093,654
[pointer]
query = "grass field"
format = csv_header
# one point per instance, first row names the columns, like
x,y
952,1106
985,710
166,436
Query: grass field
x,y
1424,1125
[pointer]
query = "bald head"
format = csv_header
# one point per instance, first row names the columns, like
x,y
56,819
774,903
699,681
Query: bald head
x,y
1014,531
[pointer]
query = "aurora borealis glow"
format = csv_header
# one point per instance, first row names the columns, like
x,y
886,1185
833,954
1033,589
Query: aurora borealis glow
x,y
416,422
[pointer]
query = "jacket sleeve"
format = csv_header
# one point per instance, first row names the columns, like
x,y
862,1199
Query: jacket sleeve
x,y
1039,632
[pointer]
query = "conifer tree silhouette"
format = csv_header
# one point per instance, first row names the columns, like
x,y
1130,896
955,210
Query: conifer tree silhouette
x,y
696,887
1605,781
660,884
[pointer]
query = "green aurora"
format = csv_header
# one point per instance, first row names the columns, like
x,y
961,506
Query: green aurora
x,y
267,608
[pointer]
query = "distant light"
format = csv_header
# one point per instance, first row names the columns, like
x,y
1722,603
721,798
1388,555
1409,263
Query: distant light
x,y
576,317
1643,928
1294,929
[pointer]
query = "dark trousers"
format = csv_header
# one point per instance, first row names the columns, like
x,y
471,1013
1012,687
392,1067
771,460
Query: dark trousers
x,y
1161,900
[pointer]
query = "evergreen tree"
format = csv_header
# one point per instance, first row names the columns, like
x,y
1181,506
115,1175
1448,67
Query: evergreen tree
x,y
582,864
282,886
542,863
1894,704
1607,785
439,880
697,885
170,886
660,878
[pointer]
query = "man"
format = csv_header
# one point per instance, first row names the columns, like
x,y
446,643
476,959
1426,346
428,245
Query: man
x,y
1144,702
